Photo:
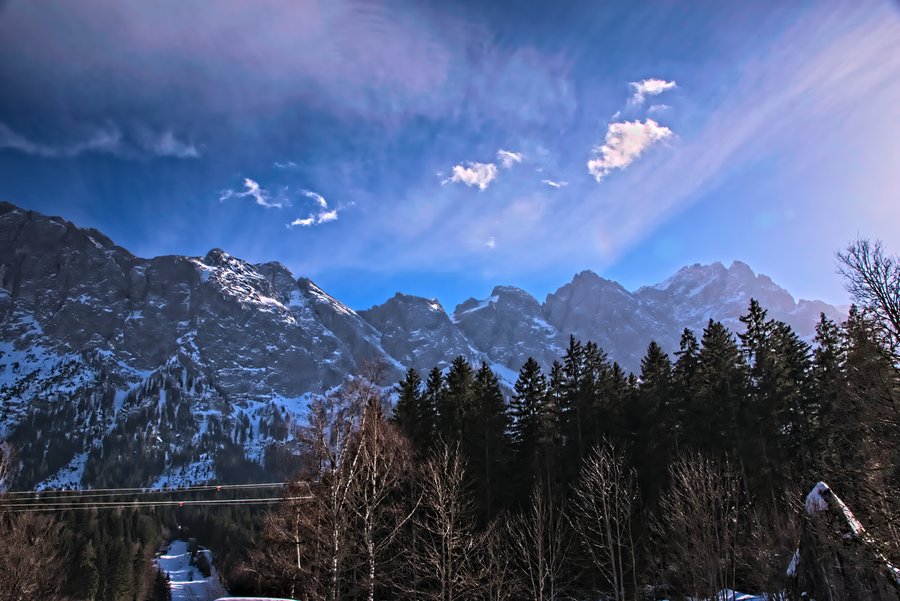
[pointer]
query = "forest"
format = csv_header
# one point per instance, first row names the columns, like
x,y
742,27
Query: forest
x,y
583,482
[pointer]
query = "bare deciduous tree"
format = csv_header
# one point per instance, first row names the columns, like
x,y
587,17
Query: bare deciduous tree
x,y
309,542
541,542
604,501
385,462
7,462
873,280
698,525
444,551
30,562
497,574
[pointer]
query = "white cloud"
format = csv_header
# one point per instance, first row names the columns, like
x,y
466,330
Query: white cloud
x,y
491,243
320,200
253,190
508,158
285,165
658,108
553,184
303,222
327,216
648,87
624,143
323,215
474,174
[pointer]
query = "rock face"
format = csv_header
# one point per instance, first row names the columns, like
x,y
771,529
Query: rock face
x,y
120,370
509,327
418,333
837,559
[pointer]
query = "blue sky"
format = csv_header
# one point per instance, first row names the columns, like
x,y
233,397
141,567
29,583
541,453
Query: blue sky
x,y
442,148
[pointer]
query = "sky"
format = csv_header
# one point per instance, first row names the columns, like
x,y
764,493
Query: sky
x,y
443,148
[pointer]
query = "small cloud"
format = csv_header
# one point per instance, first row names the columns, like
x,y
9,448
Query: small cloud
x,y
553,184
491,243
327,216
508,158
320,200
253,190
623,144
165,144
285,165
648,87
615,115
323,215
658,108
473,174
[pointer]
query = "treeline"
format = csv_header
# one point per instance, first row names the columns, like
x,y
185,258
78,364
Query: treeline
x,y
682,480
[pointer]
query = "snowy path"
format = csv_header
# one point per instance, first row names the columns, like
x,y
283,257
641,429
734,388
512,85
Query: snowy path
x,y
187,583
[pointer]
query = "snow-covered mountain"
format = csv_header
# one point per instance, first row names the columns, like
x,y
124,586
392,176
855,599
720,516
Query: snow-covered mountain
x,y
116,369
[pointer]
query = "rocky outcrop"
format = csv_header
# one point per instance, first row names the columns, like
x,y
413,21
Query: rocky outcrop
x,y
417,332
509,327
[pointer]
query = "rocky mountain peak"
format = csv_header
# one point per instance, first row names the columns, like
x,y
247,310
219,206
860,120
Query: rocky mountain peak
x,y
215,354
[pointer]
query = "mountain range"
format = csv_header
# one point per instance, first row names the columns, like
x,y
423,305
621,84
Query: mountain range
x,y
121,370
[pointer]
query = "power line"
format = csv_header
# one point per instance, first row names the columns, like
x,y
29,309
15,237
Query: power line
x,y
46,507
105,492
93,493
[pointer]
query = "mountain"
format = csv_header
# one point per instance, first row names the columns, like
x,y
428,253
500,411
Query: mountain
x,y
121,370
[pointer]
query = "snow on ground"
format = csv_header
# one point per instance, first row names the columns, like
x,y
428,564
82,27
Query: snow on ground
x,y
68,477
185,581
196,472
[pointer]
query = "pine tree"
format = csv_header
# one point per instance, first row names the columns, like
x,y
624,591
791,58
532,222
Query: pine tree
x,y
718,393
456,400
650,420
683,372
486,442
571,410
595,397
528,409
830,389
414,413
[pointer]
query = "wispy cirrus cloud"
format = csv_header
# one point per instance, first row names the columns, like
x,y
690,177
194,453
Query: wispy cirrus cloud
x,y
473,174
625,141
105,139
260,195
508,158
323,214
648,87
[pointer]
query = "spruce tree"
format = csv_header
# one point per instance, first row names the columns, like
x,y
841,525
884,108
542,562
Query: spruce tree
x,y
650,420
527,409
486,443
414,413
830,389
718,393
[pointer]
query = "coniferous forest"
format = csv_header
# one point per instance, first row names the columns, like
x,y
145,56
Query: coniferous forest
x,y
582,482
